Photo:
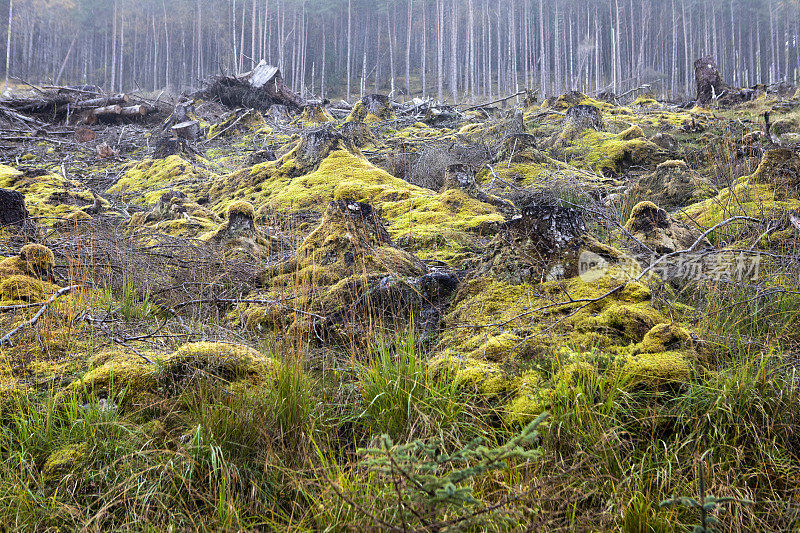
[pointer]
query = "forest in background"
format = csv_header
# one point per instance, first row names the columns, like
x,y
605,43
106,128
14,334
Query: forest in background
x,y
447,49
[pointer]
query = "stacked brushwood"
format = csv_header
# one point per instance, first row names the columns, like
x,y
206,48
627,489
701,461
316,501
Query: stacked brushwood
x,y
84,104
259,89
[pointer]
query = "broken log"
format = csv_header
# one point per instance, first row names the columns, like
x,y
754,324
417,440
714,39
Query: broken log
x,y
111,111
104,101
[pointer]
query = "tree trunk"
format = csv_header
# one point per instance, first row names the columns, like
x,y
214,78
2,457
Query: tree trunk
x,y
8,39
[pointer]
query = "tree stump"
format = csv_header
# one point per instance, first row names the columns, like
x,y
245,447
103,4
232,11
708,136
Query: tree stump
x,y
189,130
708,78
258,89
12,209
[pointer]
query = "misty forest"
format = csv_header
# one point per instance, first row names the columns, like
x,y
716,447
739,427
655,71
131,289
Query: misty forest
x,y
400,265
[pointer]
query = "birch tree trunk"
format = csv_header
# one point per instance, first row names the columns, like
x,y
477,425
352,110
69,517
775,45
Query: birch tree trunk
x,y
408,47
8,39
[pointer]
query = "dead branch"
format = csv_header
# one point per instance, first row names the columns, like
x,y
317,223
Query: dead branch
x,y
6,339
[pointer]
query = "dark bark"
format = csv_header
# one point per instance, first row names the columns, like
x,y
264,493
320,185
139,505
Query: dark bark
x,y
12,209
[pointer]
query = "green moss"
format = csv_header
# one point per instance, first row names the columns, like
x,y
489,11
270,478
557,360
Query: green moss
x,y
24,289
575,375
437,223
634,132
65,461
241,208
665,337
34,260
140,380
515,321
476,375
48,197
655,370
630,321
525,408
146,181
760,200
605,152
645,100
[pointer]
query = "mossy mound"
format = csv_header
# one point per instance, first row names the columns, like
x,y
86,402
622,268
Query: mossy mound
x,y
34,260
26,277
772,190
49,197
655,370
545,316
438,224
645,100
611,154
145,182
65,461
132,380
672,184
346,258
175,214
24,289
659,231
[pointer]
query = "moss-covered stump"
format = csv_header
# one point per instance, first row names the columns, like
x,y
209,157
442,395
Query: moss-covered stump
x,y
372,108
175,214
542,244
672,184
659,231
348,270
579,118
239,233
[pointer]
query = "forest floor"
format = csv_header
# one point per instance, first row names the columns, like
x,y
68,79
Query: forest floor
x,y
555,316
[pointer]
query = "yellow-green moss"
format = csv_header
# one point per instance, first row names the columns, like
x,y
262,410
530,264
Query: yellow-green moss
x,y
241,208
655,370
25,289
665,337
634,132
419,218
606,152
145,182
65,461
645,100
476,375
744,198
140,380
516,315
49,197
34,260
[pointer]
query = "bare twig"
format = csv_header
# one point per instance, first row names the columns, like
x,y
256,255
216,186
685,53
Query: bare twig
x,y
6,339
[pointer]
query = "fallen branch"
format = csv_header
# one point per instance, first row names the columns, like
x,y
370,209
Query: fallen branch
x,y
495,101
61,292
